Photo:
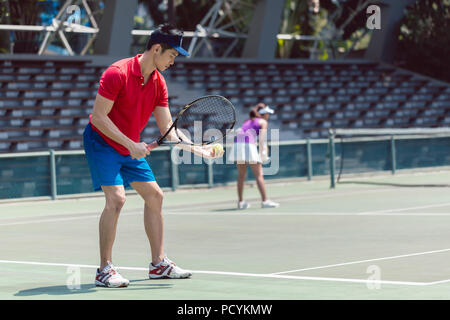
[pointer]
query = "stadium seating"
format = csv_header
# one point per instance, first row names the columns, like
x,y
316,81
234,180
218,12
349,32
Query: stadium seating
x,y
312,97
44,104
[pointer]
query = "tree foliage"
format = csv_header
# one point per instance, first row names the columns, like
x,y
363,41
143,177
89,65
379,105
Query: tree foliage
x,y
25,12
189,13
341,21
346,9
297,20
424,39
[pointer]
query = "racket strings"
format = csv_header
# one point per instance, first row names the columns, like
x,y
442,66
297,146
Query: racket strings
x,y
213,113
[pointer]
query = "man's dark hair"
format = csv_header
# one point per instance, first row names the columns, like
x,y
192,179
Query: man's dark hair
x,y
165,29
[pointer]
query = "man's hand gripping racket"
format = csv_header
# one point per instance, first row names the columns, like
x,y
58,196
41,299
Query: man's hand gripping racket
x,y
199,125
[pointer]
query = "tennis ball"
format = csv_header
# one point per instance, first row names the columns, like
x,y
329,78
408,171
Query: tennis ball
x,y
217,148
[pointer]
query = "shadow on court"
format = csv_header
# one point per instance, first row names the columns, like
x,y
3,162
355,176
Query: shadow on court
x,y
406,185
225,210
87,288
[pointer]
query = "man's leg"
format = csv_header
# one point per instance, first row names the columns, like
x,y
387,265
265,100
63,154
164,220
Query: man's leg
x,y
115,199
153,217
161,266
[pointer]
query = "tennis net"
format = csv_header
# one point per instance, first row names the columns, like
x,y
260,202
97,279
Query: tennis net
x,y
359,153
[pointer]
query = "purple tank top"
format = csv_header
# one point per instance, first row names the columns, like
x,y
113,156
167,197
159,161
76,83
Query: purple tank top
x,y
248,132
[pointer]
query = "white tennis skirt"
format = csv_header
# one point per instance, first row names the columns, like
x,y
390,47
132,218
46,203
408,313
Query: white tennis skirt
x,y
243,153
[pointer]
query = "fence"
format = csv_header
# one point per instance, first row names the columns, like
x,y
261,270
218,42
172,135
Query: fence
x,y
390,152
56,173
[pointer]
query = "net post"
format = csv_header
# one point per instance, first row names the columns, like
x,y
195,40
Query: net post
x,y
332,158
309,158
393,155
53,187
174,171
209,163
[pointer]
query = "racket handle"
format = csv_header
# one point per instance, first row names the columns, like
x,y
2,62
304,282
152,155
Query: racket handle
x,y
152,145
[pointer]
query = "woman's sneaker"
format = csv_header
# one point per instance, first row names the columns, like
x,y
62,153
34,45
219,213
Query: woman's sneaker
x,y
269,204
109,277
242,205
167,269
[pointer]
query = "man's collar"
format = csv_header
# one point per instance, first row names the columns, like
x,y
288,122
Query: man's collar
x,y
136,68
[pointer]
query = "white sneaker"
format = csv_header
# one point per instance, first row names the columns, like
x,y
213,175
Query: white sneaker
x,y
109,277
243,205
269,204
167,269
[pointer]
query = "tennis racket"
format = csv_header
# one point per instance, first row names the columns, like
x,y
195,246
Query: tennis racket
x,y
201,122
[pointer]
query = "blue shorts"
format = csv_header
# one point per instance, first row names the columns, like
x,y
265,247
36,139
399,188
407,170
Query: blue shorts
x,y
110,168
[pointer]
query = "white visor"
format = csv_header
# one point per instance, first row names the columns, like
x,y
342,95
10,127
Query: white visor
x,y
265,110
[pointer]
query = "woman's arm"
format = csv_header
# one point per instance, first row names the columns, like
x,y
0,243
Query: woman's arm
x,y
263,151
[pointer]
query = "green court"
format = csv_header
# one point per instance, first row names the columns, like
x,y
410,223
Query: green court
x,y
369,239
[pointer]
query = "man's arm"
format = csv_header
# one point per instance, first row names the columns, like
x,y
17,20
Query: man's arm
x,y
102,122
164,122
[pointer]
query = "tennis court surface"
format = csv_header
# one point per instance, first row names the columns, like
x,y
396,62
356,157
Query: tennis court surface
x,y
366,240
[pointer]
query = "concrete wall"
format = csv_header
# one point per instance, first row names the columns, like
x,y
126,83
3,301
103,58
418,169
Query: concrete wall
x,y
114,37
383,43
262,38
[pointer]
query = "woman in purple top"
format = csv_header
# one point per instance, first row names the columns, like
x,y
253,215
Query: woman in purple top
x,y
249,136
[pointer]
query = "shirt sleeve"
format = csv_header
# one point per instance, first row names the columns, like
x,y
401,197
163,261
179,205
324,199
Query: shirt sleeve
x,y
163,97
111,82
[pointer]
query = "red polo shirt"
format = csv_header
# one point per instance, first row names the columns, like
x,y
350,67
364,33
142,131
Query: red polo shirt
x,y
134,101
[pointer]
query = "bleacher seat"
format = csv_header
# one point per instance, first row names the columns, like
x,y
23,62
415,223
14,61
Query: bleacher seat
x,y
45,103
310,95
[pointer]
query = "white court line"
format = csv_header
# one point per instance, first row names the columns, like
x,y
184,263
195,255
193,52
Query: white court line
x,y
309,196
175,211
46,220
126,213
363,261
227,213
276,276
406,209
438,282
236,274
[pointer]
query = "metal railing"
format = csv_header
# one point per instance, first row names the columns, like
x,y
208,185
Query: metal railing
x,y
58,173
19,169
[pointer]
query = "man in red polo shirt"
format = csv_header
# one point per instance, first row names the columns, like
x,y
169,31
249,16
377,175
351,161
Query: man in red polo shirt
x,y
130,91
